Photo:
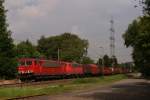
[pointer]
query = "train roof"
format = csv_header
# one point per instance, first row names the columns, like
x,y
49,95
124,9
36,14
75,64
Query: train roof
x,y
37,59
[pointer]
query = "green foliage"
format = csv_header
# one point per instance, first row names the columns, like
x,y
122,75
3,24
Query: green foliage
x,y
114,61
100,62
146,7
106,61
26,49
7,52
138,37
87,60
131,34
71,47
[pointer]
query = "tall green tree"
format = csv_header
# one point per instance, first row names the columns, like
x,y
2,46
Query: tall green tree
x,y
137,36
27,49
113,61
70,46
87,60
7,53
106,61
100,62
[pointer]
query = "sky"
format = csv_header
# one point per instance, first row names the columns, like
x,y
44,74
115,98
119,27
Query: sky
x,y
90,19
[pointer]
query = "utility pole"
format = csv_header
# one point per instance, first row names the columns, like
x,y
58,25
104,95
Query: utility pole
x,y
58,54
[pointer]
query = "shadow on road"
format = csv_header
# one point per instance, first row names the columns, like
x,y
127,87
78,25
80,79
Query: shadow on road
x,y
136,91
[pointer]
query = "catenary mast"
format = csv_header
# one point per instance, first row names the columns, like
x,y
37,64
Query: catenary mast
x,y
112,39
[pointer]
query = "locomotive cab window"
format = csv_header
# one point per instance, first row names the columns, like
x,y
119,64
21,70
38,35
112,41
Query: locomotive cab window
x,y
25,63
28,63
22,63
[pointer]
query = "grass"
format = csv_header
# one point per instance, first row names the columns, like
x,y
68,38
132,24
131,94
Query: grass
x,y
99,80
77,84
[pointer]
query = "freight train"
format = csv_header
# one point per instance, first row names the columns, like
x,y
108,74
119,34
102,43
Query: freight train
x,y
37,69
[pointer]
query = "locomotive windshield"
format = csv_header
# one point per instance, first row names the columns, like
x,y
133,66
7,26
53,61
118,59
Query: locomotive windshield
x,y
28,63
25,63
22,63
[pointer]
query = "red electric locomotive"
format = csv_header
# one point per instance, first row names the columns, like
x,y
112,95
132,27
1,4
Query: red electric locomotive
x,y
34,68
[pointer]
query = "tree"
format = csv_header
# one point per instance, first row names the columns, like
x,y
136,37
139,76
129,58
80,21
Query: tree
x,y
146,7
114,62
106,61
87,60
137,36
7,53
71,47
100,62
26,49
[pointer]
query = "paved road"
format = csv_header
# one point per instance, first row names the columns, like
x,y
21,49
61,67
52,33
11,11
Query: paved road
x,y
130,89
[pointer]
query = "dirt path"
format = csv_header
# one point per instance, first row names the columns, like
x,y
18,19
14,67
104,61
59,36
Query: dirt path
x,y
129,89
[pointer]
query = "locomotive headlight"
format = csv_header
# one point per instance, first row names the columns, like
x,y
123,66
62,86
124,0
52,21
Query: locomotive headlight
x,y
22,72
30,71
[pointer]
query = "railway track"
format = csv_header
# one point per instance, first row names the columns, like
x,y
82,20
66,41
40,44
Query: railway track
x,y
26,97
50,82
